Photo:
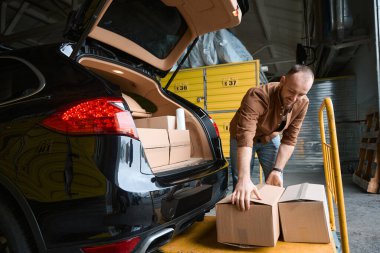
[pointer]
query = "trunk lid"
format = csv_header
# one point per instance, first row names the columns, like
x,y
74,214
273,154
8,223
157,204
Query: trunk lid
x,y
152,31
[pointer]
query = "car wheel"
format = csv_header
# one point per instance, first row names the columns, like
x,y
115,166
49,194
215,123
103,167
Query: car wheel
x,y
13,237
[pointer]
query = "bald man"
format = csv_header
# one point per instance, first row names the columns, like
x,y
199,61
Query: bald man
x,y
264,113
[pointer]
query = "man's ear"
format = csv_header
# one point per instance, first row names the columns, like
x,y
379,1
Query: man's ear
x,y
282,80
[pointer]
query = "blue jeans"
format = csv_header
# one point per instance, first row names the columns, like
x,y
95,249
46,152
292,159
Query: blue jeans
x,y
266,153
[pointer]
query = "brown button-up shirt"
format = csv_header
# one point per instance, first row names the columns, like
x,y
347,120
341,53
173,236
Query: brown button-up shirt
x,y
260,116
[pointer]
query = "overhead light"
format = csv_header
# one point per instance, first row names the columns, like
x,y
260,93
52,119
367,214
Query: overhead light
x,y
117,71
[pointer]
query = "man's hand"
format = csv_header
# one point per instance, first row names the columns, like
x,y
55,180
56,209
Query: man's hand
x,y
275,178
242,194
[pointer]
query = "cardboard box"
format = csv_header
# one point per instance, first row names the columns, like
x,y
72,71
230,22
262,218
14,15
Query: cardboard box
x,y
179,137
259,226
180,148
157,156
179,154
142,123
156,145
304,214
163,122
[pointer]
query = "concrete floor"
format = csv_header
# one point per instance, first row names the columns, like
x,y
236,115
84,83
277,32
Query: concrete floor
x,y
362,210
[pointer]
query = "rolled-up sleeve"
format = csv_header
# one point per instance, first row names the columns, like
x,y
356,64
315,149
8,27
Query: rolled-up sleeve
x,y
290,135
252,107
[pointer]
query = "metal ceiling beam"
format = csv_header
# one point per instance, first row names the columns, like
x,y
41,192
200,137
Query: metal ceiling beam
x,y
43,21
264,21
261,49
16,18
352,43
263,17
32,33
279,61
33,13
67,2
73,3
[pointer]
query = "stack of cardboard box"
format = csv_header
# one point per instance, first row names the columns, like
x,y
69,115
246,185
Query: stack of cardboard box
x,y
300,209
179,146
156,145
162,142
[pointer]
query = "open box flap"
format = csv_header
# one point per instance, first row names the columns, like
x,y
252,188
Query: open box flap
x,y
270,195
303,192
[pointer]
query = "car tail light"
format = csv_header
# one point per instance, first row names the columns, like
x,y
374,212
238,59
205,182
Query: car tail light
x,y
95,116
119,247
215,126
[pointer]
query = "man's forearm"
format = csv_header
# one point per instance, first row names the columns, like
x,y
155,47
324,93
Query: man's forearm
x,y
244,155
283,155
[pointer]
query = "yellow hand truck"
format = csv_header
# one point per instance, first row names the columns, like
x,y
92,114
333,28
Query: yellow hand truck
x,y
331,161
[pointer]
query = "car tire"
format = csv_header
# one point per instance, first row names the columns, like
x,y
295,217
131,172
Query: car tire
x,y
13,235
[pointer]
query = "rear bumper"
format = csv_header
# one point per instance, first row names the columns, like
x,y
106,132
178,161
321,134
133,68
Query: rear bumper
x,y
115,199
153,217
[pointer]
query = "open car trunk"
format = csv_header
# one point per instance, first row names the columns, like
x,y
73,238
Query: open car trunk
x,y
166,148
153,34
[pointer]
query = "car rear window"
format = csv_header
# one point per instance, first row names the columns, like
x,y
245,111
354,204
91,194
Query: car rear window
x,y
149,23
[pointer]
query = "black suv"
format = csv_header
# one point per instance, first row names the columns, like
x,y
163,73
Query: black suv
x,y
75,175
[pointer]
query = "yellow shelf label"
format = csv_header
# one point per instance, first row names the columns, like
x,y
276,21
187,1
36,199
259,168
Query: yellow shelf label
x,y
229,82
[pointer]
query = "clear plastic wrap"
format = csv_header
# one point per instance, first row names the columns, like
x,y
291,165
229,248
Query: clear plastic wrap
x,y
215,48
229,48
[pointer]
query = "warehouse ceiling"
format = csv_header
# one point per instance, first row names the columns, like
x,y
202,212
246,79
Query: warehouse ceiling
x,y
270,30
33,22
